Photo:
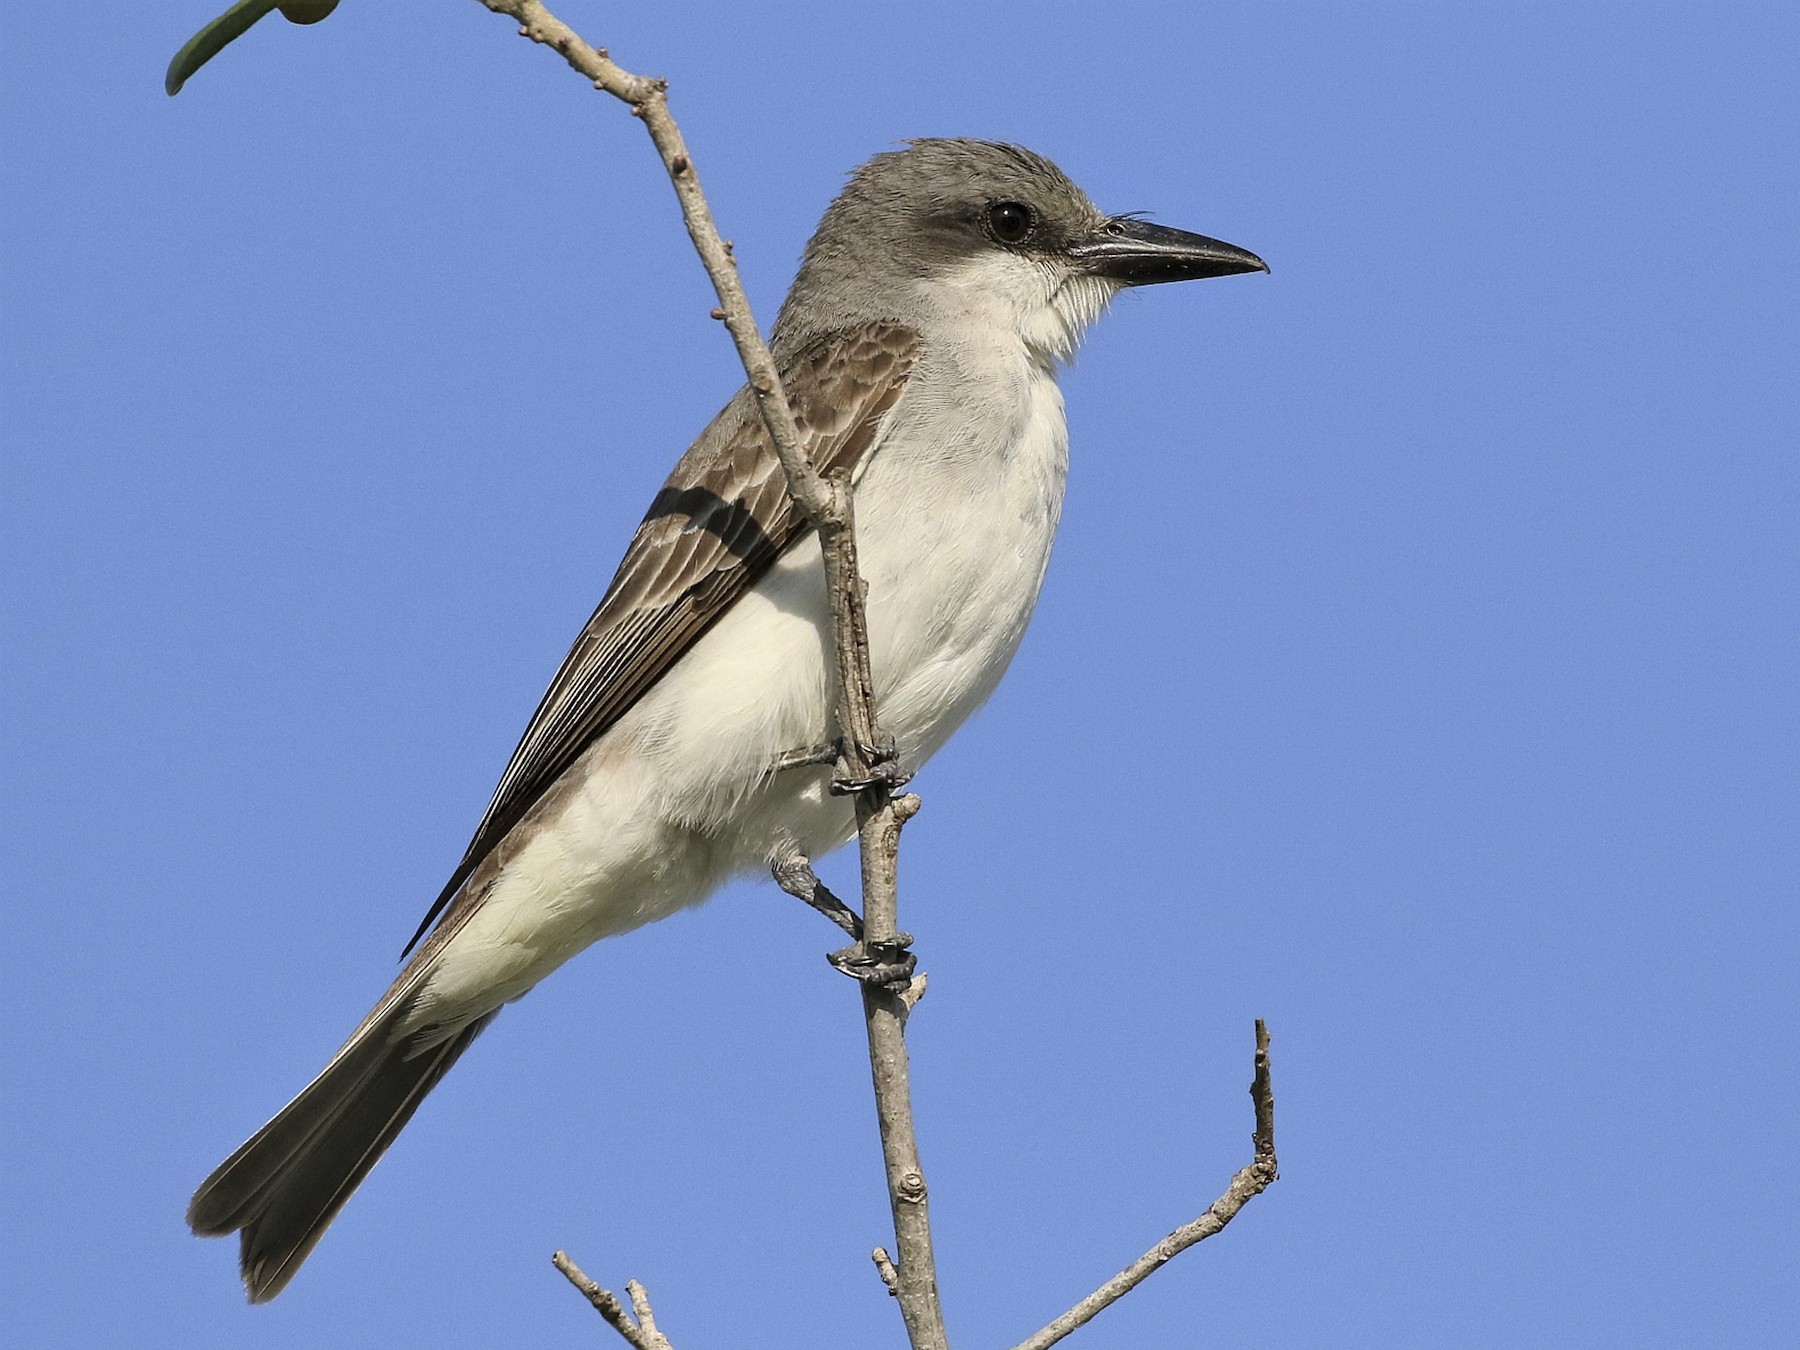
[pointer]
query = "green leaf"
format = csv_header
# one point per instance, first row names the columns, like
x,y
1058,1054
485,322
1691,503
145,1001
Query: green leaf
x,y
232,25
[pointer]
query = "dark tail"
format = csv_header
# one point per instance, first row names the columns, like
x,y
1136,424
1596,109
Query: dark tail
x,y
287,1183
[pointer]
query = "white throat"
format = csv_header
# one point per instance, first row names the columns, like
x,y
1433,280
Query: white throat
x,y
1048,306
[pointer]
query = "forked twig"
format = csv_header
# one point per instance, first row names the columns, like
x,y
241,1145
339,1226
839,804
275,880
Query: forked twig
x,y
637,1326
1250,1182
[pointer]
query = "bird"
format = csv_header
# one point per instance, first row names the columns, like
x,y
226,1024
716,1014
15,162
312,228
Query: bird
x,y
945,288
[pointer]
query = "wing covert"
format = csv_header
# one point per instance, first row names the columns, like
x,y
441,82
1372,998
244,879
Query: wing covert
x,y
718,524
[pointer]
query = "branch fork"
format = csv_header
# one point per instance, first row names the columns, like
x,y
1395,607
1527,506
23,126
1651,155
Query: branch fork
x,y
638,1326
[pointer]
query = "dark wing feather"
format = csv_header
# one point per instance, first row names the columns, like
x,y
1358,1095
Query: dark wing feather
x,y
717,526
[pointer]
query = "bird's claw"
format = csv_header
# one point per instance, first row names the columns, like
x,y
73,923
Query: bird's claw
x,y
884,770
883,763
888,965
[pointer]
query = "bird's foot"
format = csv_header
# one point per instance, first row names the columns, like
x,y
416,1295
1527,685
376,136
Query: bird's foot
x,y
884,771
883,763
888,965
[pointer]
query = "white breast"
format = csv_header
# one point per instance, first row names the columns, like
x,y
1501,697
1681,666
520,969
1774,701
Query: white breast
x,y
955,517
954,530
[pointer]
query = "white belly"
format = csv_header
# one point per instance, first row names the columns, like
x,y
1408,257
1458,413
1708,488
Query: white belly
x,y
678,796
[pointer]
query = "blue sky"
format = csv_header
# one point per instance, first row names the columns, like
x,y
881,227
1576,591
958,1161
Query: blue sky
x,y
1415,671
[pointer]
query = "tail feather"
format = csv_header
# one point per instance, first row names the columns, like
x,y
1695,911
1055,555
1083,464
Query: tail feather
x,y
286,1184
238,1187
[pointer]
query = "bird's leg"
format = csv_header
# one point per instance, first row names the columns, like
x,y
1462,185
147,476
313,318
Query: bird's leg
x,y
806,756
794,874
888,964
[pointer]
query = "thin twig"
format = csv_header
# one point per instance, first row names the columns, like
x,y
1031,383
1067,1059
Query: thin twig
x,y
1249,1182
863,750
648,98
641,1333
884,1267
879,818
915,990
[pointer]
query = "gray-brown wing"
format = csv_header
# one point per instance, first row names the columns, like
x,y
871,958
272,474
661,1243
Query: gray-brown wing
x,y
717,526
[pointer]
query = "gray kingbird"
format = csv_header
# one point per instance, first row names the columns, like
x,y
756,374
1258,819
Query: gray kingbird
x,y
919,347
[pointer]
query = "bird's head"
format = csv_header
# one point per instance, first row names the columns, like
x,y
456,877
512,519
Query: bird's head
x,y
994,232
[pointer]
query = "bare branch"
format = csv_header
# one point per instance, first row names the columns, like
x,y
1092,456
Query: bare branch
x,y
865,756
649,101
646,1316
641,1333
884,1017
1249,1182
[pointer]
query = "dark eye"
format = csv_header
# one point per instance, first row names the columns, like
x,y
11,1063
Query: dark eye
x,y
1011,222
